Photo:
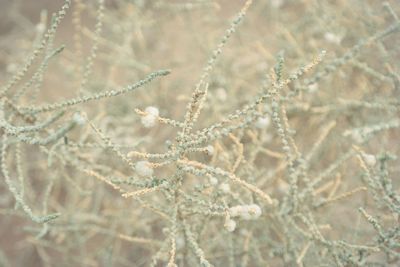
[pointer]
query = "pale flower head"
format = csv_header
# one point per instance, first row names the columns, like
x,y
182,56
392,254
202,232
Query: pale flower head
x,y
151,117
230,225
369,159
152,111
254,210
143,168
235,211
213,180
246,212
332,38
225,188
210,150
263,122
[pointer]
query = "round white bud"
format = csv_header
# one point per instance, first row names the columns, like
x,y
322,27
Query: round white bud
x,y
209,150
213,180
254,211
263,122
246,212
150,118
230,225
332,38
225,188
235,211
143,168
370,160
149,121
152,111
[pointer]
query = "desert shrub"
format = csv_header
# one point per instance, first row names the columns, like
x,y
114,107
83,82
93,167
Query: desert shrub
x,y
200,133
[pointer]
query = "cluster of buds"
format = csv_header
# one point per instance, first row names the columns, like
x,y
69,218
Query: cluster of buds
x,y
143,168
151,117
245,212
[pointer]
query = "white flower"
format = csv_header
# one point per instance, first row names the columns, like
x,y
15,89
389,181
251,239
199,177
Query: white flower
x,y
263,122
235,211
254,211
209,150
246,215
370,160
225,188
213,180
230,225
143,168
150,119
332,38
152,111
246,212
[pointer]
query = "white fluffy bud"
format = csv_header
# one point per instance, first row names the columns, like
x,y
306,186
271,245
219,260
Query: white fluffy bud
x,y
332,38
209,150
225,188
254,211
213,180
370,160
263,122
143,168
230,225
150,119
152,111
235,211
246,212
